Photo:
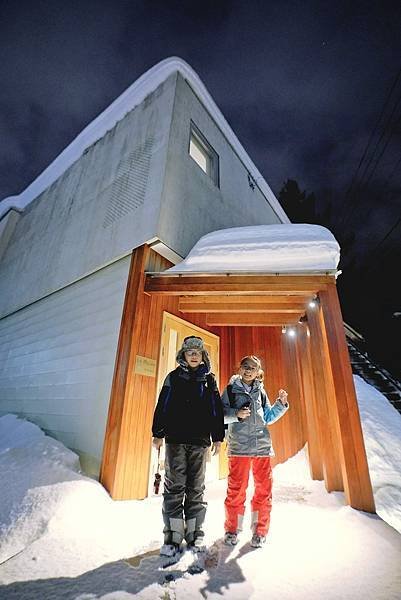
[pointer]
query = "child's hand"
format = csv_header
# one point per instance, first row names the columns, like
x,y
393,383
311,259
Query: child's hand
x,y
157,443
244,412
216,448
282,396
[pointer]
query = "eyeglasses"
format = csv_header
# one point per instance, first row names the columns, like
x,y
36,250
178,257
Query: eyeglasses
x,y
193,352
248,368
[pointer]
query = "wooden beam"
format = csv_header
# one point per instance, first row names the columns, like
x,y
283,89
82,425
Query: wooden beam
x,y
252,307
295,432
251,319
284,300
358,487
236,284
113,460
324,392
311,411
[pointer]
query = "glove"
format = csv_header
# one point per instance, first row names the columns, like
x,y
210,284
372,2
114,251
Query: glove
x,y
216,448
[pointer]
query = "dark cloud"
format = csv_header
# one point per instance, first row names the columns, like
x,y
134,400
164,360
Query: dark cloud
x,y
301,83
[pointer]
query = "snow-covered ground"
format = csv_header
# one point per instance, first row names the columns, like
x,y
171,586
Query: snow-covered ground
x,y
63,537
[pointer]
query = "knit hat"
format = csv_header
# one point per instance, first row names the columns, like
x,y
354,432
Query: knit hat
x,y
193,342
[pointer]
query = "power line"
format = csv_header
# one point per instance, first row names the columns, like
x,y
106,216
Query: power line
x,y
388,131
373,132
387,235
351,192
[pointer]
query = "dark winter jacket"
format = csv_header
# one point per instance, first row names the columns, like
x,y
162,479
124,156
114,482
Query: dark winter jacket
x,y
250,437
189,408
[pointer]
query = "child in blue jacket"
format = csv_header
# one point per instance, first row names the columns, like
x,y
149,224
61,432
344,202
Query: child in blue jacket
x,y
247,411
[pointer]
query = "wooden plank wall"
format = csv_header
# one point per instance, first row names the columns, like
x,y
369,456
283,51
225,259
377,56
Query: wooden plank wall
x,y
313,431
127,448
126,454
344,407
280,362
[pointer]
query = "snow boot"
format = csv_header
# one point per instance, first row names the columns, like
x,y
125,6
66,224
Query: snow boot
x,y
170,550
257,541
197,544
230,539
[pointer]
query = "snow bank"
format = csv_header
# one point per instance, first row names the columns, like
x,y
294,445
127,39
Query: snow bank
x,y
381,424
285,248
45,498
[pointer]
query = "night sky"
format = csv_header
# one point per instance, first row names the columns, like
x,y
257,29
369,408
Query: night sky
x,y
312,90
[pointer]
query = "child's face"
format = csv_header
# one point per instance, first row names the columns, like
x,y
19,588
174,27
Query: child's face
x,y
193,358
249,370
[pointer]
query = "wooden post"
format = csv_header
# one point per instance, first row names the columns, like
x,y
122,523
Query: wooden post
x,y
275,378
312,426
115,448
294,420
324,393
358,487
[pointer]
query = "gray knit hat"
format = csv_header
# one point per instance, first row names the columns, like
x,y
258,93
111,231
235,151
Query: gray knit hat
x,y
193,342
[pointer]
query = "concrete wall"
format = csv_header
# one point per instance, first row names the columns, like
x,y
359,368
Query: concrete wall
x,y
104,205
135,184
57,360
7,226
191,204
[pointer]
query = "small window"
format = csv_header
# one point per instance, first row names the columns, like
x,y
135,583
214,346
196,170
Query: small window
x,y
203,154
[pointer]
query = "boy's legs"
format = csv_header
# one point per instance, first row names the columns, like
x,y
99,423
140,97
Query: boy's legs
x,y
194,505
261,503
238,477
173,495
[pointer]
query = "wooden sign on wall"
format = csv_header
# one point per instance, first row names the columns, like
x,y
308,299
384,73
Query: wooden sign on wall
x,y
145,366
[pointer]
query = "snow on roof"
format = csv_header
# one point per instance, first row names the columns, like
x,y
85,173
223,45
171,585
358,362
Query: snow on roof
x,y
133,96
285,248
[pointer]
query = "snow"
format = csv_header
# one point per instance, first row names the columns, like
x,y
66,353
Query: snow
x,y
284,248
104,122
63,537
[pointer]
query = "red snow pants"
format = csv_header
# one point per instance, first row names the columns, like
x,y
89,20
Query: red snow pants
x,y
261,503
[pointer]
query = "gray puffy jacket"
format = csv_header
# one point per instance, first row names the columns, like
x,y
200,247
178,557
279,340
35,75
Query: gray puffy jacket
x,y
250,437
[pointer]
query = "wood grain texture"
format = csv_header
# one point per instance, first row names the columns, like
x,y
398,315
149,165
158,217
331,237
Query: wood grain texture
x,y
111,474
315,371
311,412
250,319
358,487
244,307
325,397
236,284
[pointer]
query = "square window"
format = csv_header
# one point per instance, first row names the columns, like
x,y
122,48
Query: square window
x,y
203,154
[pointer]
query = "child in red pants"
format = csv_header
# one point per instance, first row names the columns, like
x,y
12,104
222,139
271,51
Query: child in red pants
x,y
247,411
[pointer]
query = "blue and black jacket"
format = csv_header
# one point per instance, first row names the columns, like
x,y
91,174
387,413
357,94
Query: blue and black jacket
x,y
189,408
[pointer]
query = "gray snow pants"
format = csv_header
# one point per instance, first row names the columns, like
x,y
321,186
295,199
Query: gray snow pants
x,y
184,485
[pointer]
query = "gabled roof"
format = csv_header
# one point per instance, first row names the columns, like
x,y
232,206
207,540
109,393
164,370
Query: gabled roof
x,y
133,96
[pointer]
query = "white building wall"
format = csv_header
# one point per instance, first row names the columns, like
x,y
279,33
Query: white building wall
x,y
57,359
97,211
189,193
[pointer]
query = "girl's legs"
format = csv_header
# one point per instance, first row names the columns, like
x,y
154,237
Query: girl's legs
x,y
261,503
238,477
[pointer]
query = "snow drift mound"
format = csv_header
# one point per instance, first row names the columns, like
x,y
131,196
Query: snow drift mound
x,y
30,462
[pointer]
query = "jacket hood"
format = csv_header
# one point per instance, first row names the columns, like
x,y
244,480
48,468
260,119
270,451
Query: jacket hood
x,y
236,382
